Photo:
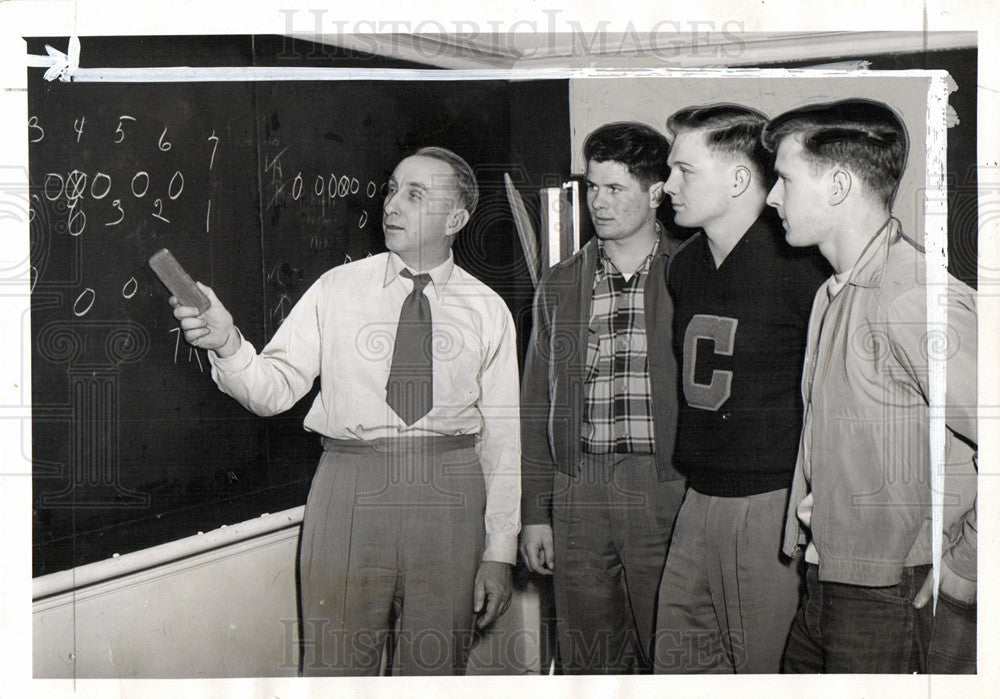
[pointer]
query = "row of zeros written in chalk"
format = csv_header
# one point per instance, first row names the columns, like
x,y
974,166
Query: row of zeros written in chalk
x,y
331,187
74,188
85,301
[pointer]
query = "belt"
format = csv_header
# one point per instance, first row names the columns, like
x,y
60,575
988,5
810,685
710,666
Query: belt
x,y
437,443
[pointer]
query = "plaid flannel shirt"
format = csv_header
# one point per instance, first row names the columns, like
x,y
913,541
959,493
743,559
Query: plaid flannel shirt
x,y
618,408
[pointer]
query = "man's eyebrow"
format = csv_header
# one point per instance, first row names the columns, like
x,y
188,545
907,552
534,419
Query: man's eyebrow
x,y
612,183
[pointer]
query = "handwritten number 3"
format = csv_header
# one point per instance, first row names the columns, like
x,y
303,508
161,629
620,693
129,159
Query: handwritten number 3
x,y
117,203
33,124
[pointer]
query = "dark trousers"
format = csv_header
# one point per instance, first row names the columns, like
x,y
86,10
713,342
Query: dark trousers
x,y
611,524
849,628
392,534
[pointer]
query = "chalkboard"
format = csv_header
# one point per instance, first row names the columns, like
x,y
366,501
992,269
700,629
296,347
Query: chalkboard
x,y
257,188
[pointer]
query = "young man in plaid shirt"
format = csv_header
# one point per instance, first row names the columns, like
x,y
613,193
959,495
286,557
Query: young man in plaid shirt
x,y
599,411
742,298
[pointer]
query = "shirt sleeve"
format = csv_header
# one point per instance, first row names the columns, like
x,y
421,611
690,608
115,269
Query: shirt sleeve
x,y
500,444
960,555
274,380
958,344
906,324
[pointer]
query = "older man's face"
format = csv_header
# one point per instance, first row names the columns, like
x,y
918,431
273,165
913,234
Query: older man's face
x,y
418,207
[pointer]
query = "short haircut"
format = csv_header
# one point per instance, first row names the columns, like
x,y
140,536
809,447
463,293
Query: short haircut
x,y
465,179
866,136
732,129
641,149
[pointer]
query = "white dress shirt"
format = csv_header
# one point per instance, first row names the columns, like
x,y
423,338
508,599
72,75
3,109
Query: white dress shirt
x,y
343,330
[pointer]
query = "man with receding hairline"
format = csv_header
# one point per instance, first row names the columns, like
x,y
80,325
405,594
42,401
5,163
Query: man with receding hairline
x,y
741,304
861,499
413,513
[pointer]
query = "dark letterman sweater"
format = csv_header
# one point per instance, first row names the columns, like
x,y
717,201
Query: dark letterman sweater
x,y
740,338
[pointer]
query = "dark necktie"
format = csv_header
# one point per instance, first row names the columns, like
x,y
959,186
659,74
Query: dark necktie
x,y
409,391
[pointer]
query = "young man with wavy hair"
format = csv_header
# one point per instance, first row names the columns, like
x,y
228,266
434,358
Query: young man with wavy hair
x,y
861,498
741,305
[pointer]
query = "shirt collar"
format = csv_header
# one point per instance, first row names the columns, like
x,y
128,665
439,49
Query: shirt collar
x,y
605,264
439,275
868,270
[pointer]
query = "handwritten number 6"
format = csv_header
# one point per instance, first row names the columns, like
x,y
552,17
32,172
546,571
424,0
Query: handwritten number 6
x,y
164,145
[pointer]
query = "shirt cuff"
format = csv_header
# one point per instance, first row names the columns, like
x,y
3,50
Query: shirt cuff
x,y
961,559
501,548
237,361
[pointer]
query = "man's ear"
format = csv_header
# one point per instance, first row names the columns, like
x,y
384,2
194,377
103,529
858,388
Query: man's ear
x,y
457,220
840,186
742,177
655,192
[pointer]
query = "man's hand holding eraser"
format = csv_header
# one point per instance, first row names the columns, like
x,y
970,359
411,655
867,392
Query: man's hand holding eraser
x,y
205,321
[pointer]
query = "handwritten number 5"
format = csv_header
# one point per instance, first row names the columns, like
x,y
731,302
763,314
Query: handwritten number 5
x,y
119,131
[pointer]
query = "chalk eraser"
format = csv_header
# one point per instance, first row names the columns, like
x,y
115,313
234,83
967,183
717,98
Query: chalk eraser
x,y
180,283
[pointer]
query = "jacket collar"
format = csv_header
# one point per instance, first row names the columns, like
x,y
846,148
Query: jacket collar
x,y
870,267
591,254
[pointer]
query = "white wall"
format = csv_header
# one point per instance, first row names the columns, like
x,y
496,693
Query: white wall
x,y
225,613
229,612
650,100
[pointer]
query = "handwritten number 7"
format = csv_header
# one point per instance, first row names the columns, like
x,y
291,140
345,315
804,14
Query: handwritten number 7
x,y
215,147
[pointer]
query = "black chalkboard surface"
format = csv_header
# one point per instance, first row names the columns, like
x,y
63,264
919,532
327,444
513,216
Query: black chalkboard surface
x,y
256,188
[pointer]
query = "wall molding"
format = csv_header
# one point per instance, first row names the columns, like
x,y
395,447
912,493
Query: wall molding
x,y
170,558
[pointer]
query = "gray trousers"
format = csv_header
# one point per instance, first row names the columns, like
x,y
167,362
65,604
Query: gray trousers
x,y
611,527
728,594
392,535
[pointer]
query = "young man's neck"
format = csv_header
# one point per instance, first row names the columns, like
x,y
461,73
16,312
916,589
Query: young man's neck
x,y
724,233
853,235
628,253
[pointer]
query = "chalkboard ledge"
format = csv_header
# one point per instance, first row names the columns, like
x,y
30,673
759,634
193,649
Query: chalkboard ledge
x,y
103,571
